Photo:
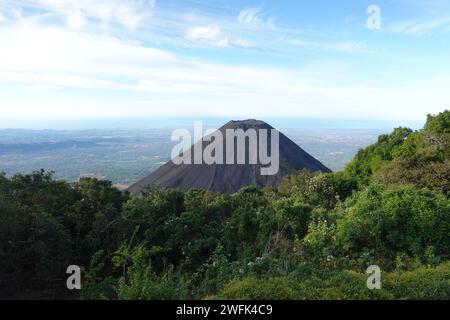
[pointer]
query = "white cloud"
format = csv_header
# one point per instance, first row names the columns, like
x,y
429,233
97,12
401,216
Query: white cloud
x,y
213,35
250,15
207,34
350,46
256,17
31,48
2,17
258,26
344,46
243,43
76,20
17,13
41,63
415,28
129,14
42,66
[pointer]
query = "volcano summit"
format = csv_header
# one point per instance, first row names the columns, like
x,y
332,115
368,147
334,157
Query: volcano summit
x,y
239,154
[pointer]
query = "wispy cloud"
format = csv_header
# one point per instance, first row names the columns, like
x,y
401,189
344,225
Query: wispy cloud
x,y
416,28
58,58
244,43
255,28
344,46
256,17
76,20
207,34
156,81
213,35
128,13
248,28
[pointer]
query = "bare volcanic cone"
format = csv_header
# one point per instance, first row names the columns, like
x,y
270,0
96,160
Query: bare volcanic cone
x,y
230,178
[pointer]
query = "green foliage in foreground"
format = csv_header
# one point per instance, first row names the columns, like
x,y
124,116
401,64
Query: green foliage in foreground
x,y
311,238
422,283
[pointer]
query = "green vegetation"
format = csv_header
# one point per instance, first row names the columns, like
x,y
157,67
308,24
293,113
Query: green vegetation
x,y
420,159
311,238
422,283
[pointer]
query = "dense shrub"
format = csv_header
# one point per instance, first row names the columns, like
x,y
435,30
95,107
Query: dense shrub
x,y
404,157
140,282
318,189
422,283
381,223
47,225
259,289
439,123
367,161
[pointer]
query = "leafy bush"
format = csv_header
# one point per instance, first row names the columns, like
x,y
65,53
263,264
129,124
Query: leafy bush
x,y
318,189
140,282
422,283
439,123
259,289
384,222
97,284
367,161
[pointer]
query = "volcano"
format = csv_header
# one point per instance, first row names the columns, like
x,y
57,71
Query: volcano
x,y
230,177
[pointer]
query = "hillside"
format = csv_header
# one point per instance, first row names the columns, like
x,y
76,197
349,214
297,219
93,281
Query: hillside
x,y
405,157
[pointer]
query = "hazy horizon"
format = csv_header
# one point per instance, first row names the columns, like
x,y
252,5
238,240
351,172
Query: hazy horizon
x,y
143,123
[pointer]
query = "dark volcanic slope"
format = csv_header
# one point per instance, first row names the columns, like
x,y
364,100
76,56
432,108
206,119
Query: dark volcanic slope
x,y
230,178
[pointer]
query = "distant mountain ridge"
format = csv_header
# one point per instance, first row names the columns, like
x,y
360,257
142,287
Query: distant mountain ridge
x,y
230,178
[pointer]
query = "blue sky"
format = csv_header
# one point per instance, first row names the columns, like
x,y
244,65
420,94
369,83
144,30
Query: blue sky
x,y
111,59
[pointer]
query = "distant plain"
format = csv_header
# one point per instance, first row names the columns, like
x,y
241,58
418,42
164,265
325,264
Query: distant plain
x,y
126,155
